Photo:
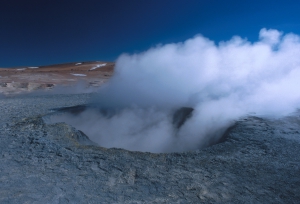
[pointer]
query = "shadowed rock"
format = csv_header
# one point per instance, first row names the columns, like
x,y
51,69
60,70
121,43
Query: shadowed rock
x,y
181,115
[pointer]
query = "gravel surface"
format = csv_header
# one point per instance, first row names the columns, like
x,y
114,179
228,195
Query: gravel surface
x,y
40,163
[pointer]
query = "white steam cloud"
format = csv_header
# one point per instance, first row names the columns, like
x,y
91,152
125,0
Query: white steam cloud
x,y
221,82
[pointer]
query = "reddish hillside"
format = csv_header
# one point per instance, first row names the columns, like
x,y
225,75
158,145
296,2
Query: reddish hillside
x,y
31,78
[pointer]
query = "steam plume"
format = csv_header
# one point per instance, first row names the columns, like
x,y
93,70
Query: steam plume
x,y
221,82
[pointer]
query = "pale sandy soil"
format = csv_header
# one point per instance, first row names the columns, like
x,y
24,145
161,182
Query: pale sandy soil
x,y
24,79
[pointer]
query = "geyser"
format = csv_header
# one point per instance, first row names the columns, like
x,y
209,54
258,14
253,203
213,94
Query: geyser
x,y
221,82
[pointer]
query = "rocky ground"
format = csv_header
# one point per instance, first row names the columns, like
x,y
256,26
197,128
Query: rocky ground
x,y
40,163
259,161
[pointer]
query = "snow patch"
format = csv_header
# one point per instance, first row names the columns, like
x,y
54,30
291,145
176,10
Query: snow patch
x,y
33,67
82,75
21,69
78,63
98,66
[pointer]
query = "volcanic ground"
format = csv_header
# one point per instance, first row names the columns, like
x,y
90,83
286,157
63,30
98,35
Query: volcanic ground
x,y
258,162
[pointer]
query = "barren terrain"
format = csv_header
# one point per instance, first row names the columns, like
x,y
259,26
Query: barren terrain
x,y
55,163
26,79
41,163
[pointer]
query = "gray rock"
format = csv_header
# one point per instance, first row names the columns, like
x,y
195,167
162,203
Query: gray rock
x,y
259,162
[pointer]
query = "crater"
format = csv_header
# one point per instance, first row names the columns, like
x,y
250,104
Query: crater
x,y
135,129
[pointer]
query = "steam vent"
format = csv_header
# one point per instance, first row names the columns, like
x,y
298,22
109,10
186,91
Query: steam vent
x,y
57,163
190,122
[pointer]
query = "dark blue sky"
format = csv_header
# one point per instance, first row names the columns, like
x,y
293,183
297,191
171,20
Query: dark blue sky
x,y
40,32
